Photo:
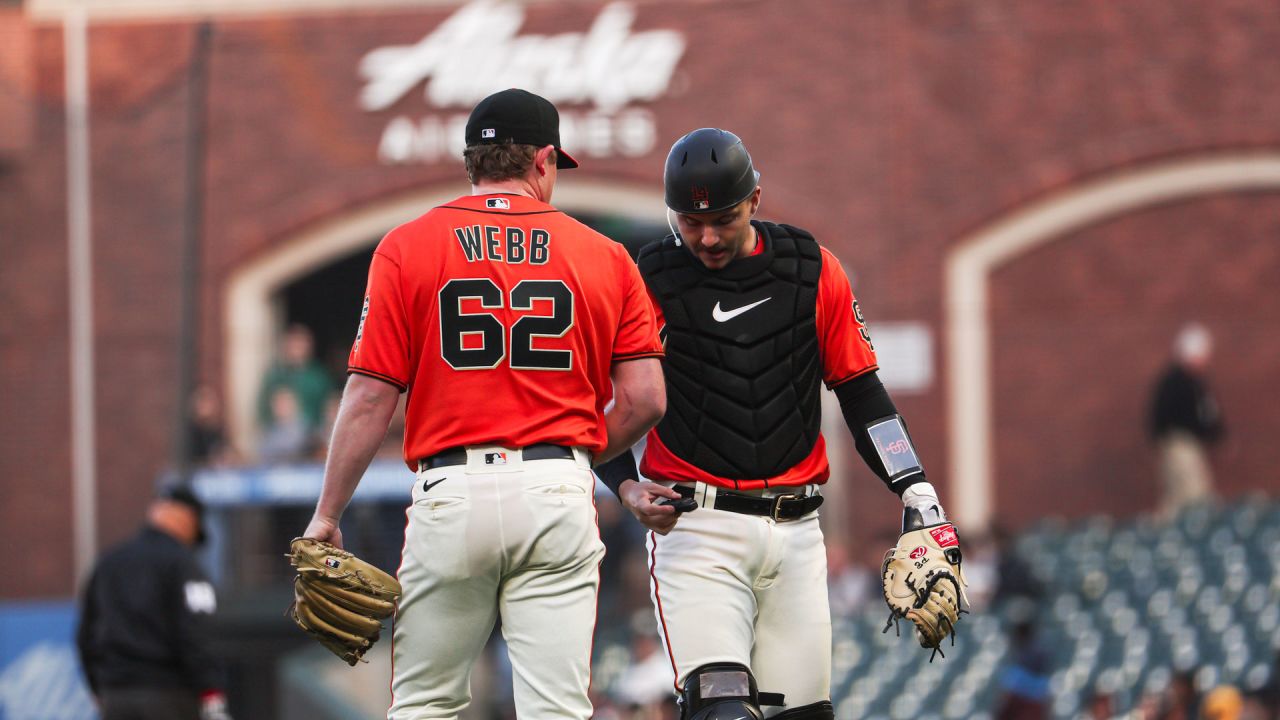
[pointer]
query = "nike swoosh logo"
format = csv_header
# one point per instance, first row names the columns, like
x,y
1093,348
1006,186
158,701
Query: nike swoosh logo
x,y
428,485
727,315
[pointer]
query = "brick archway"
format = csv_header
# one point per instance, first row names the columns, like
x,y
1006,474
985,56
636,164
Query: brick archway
x,y
972,260
250,318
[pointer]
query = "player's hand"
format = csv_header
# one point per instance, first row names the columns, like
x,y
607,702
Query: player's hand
x,y
641,499
324,529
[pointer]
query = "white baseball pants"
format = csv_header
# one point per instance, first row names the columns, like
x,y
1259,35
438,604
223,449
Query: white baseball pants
x,y
516,540
739,588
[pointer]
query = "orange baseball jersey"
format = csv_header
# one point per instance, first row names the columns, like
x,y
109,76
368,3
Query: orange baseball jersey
x,y
501,317
847,352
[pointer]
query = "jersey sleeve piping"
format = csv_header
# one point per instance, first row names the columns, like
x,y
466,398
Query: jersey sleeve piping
x,y
639,355
387,257
860,373
378,376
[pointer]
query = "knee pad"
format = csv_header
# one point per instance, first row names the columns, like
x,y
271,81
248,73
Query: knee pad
x,y
814,711
720,691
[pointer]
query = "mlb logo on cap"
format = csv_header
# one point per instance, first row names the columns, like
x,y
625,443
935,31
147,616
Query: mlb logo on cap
x,y
488,133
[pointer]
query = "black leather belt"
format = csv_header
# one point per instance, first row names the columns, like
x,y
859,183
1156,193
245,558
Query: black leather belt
x,y
458,456
779,507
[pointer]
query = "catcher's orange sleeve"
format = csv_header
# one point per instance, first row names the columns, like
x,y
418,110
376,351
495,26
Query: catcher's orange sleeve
x,y
843,338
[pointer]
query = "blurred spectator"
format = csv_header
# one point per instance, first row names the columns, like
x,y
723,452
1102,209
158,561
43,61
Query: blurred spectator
x,y
1255,708
1222,703
1014,578
207,439
649,682
298,370
851,585
1179,702
981,570
603,708
144,624
320,445
1101,706
1269,694
1025,683
1185,420
287,437
617,539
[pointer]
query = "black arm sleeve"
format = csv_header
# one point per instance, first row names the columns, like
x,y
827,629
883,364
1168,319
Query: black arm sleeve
x,y
618,469
862,401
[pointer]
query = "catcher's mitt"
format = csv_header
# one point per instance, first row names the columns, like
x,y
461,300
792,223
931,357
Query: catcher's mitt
x,y
923,583
338,598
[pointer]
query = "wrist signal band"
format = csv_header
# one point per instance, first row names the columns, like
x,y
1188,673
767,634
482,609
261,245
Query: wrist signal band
x,y
893,446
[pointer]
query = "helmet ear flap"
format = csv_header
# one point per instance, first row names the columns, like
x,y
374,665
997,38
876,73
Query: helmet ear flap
x,y
708,170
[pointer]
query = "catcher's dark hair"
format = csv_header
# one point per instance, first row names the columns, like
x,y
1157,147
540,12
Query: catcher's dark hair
x,y
498,162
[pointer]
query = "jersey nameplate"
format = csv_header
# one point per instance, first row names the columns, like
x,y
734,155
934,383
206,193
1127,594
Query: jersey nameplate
x,y
504,244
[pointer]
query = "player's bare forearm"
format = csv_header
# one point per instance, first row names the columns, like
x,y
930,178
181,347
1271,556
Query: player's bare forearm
x,y
363,418
639,401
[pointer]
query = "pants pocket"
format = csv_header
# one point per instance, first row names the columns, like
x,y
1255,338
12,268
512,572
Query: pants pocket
x,y
569,485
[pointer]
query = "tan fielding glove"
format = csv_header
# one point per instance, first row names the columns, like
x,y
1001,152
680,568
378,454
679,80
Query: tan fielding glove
x,y
338,598
923,583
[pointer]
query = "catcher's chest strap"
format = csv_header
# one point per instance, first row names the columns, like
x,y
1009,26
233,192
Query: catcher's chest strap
x,y
780,507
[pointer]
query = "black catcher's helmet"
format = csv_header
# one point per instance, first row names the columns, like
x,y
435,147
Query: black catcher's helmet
x,y
708,170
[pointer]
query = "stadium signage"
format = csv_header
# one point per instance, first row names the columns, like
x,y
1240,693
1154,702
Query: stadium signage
x,y
599,75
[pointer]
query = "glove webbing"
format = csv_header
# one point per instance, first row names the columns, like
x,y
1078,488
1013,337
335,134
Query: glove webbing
x,y
922,596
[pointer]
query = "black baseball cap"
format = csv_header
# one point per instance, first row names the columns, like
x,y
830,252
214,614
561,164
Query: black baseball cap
x,y
520,117
182,493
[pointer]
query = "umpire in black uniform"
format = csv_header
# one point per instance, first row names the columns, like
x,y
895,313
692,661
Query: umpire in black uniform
x,y
144,623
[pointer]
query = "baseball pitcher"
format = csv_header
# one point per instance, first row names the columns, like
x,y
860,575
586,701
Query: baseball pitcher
x,y
506,322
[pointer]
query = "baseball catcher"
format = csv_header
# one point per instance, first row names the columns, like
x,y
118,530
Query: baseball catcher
x,y
756,317
338,598
923,582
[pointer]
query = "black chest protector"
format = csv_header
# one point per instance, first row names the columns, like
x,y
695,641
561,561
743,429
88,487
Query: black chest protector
x,y
743,368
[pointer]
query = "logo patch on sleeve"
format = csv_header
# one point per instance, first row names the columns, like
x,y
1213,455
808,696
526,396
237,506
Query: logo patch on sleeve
x,y
364,315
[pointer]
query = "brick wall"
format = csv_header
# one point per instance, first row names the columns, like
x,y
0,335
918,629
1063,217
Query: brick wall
x,y
1084,326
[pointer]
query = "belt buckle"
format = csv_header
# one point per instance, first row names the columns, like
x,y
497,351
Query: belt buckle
x,y
777,505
